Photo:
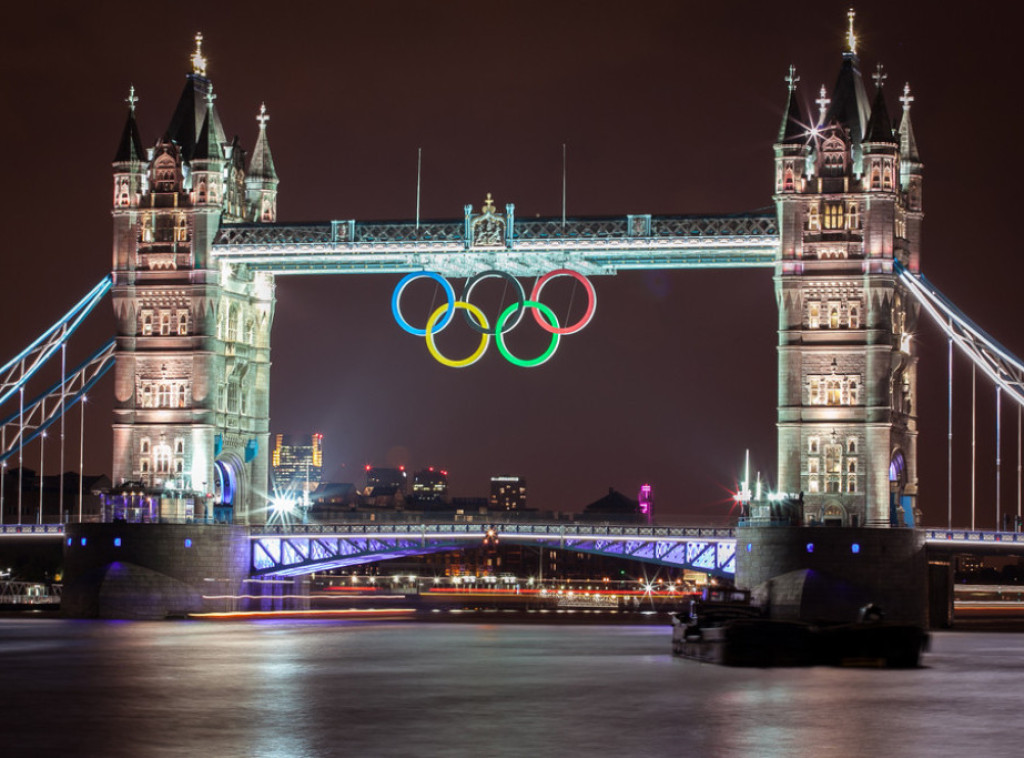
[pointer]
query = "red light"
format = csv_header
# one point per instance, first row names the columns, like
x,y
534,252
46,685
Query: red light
x,y
401,468
444,473
430,469
367,466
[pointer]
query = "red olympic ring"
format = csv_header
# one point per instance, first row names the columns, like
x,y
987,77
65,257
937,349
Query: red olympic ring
x,y
591,306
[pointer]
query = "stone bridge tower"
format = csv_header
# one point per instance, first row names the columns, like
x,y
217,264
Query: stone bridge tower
x,y
848,196
191,417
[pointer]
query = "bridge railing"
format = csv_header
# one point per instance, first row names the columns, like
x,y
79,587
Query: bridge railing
x,y
26,529
969,537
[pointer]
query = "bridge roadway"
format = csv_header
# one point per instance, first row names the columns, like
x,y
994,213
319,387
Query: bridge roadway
x,y
297,549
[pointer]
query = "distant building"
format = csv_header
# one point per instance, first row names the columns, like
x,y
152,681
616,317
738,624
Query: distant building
x,y
614,507
297,465
384,481
508,493
430,485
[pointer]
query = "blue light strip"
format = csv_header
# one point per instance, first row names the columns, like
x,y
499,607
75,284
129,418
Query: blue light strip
x,y
47,344
100,362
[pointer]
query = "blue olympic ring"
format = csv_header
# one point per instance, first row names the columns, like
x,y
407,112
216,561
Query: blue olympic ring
x,y
400,288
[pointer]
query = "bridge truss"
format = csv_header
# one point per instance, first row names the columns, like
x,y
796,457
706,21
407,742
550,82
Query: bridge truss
x,y
284,550
524,248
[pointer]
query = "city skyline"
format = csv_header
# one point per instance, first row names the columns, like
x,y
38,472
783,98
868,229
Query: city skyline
x,y
660,112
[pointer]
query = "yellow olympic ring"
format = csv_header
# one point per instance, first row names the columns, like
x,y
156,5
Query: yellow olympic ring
x,y
485,339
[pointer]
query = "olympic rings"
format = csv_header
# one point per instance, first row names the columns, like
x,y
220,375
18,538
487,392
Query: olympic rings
x,y
471,311
520,299
509,318
499,334
400,288
584,320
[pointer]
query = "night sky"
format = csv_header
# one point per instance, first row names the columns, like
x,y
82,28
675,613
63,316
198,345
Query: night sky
x,y
665,108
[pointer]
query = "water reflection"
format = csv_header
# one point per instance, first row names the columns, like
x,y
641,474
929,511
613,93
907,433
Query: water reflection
x,y
311,688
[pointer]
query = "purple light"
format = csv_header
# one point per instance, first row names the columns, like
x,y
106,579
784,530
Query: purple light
x,y
855,548
83,541
646,500
810,547
188,542
117,542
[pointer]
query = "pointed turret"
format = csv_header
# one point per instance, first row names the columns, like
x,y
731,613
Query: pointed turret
x,y
848,106
908,143
208,160
793,129
261,179
879,126
190,112
129,149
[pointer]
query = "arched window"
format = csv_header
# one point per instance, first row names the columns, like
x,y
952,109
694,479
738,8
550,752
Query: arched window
x,y
162,459
813,315
834,216
182,322
147,323
165,323
833,317
232,335
854,317
813,218
833,394
876,179
787,182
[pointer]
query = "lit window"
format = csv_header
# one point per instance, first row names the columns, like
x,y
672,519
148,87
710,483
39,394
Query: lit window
x,y
813,315
813,218
165,323
147,323
183,323
834,216
813,466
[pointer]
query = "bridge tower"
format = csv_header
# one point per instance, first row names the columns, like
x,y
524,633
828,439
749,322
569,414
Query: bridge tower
x,y
848,197
191,417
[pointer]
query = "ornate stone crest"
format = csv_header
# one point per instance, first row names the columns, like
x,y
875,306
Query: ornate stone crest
x,y
488,229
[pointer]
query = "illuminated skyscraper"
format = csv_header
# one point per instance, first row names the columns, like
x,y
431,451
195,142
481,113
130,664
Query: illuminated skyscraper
x,y
296,465
508,493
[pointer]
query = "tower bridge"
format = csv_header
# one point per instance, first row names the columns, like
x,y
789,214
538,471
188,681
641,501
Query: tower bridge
x,y
197,247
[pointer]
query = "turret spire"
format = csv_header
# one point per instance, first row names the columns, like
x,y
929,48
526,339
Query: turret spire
x,y
792,129
851,38
908,144
198,59
130,146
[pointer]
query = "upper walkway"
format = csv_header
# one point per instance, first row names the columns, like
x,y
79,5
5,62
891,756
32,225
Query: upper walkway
x,y
487,241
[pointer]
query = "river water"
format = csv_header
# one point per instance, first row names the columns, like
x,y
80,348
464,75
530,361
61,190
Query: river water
x,y
279,689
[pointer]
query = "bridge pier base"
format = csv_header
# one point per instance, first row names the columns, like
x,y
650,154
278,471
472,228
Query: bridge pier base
x,y
827,574
153,571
